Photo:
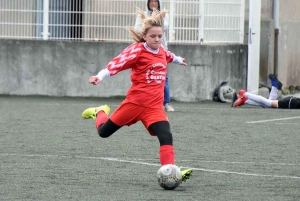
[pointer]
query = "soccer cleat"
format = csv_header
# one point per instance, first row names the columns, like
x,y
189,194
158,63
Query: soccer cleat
x,y
169,108
93,111
234,98
186,174
275,82
240,101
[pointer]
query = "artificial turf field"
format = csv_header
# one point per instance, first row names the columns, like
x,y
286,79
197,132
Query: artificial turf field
x,y
48,152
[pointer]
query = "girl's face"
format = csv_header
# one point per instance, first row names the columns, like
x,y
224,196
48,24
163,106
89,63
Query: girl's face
x,y
153,4
153,37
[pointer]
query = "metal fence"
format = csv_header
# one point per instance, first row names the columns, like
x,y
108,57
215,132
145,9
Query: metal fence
x,y
191,21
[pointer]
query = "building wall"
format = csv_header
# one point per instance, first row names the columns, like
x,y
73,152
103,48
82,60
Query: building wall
x,y
289,42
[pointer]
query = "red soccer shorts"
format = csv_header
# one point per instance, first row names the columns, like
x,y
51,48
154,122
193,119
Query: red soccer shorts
x,y
129,113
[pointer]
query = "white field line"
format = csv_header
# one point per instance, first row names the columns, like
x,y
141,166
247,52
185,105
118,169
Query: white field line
x,y
154,164
288,123
245,162
270,120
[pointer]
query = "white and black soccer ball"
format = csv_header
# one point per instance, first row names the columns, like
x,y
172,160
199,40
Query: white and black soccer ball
x,y
169,177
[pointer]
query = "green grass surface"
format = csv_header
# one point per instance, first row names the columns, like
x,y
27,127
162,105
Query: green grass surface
x,y
48,152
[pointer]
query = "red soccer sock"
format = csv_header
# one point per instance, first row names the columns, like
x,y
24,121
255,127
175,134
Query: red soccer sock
x,y
101,118
166,153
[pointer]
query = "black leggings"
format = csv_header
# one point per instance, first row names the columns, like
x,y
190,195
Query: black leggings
x,y
163,132
107,129
289,102
161,129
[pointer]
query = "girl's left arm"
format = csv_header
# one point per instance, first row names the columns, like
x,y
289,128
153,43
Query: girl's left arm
x,y
171,57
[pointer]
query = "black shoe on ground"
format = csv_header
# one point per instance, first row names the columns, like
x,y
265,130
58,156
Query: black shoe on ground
x,y
275,82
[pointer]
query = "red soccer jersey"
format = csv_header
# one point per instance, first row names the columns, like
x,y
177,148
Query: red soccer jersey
x,y
149,68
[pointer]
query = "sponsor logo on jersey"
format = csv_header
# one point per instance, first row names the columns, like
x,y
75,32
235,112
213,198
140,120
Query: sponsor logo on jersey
x,y
156,73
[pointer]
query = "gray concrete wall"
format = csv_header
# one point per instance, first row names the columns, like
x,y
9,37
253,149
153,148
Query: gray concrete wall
x,y
288,41
62,68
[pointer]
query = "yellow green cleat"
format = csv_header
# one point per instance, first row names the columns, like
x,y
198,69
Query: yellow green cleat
x,y
93,111
186,174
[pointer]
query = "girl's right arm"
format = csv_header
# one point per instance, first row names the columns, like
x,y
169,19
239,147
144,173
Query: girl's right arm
x,y
125,60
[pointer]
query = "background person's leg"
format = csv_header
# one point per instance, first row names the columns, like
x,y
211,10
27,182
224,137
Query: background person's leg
x,y
273,93
276,85
251,102
167,99
259,99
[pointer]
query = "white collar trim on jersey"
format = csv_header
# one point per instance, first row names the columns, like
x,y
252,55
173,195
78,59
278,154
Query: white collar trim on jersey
x,y
149,49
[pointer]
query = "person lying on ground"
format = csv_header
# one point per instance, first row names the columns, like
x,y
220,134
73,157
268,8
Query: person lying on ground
x,y
248,98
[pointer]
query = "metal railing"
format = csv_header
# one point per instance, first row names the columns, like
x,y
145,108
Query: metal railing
x,y
191,21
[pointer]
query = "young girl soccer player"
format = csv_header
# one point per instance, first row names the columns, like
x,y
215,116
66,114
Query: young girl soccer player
x,y
148,61
157,5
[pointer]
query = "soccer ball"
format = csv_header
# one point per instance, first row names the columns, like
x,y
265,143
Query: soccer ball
x,y
169,177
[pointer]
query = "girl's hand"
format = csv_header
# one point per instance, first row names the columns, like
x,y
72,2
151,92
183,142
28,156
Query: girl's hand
x,y
94,80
